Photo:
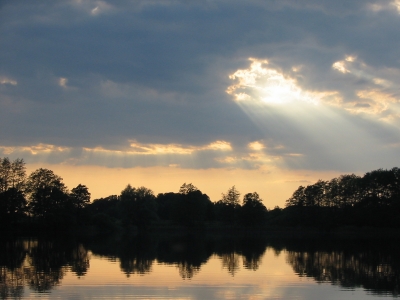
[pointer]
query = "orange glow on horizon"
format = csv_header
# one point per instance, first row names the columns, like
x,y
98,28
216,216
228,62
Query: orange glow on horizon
x,y
273,186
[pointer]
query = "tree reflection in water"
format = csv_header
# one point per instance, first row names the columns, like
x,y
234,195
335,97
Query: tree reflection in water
x,y
42,264
187,253
137,255
47,262
12,279
375,267
39,264
11,283
252,251
79,260
249,250
230,261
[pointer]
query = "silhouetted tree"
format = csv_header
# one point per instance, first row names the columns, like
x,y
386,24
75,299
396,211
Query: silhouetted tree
x,y
349,190
12,199
298,198
48,198
371,200
166,203
137,206
253,212
191,208
80,196
12,174
226,208
103,213
105,206
231,197
187,188
12,207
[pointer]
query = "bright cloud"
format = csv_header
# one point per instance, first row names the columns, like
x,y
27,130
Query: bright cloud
x,y
5,80
154,149
380,6
219,154
135,154
262,83
396,4
63,82
257,146
377,100
219,145
35,149
343,66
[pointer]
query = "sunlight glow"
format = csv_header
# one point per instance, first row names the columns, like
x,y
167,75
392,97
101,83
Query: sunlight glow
x,y
257,146
262,83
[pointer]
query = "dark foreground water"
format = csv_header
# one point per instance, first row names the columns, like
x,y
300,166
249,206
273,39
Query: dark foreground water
x,y
198,267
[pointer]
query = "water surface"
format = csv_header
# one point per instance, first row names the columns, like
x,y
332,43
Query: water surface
x,y
198,267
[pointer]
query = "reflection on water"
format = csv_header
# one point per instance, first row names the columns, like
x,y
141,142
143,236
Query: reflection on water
x,y
41,264
375,267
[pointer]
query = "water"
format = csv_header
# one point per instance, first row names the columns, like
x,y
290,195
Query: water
x,y
198,267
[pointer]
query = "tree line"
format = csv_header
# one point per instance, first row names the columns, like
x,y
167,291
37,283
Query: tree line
x,y
38,199
369,200
41,200
140,208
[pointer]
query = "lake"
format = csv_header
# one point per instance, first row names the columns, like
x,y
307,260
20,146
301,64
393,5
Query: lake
x,y
197,266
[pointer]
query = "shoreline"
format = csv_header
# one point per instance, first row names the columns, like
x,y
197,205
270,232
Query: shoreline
x,y
220,230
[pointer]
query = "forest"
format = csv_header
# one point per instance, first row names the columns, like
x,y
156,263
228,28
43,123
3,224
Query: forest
x,y
41,201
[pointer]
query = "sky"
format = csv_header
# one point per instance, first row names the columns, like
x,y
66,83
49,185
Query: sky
x,y
265,95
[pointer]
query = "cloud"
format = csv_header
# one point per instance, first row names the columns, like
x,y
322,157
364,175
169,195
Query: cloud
x,y
136,154
342,66
153,149
385,5
262,83
378,95
63,82
94,77
5,81
257,145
